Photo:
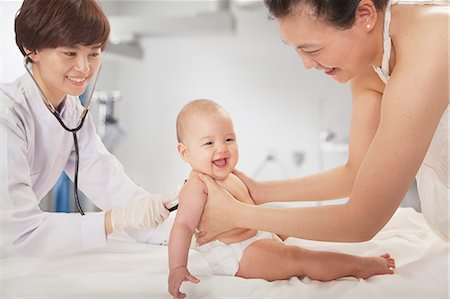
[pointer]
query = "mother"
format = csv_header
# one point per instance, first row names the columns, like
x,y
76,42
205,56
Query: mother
x,y
395,55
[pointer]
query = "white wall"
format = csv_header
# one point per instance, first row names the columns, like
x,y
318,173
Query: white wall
x,y
278,107
276,104
10,57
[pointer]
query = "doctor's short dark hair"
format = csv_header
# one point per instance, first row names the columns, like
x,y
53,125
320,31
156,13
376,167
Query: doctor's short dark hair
x,y
338,13
42,24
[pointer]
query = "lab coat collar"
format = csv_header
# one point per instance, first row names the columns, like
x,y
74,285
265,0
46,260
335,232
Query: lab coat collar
x,y
33,95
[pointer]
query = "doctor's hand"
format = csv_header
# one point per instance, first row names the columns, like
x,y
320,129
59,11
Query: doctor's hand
x,y
220,212
147,212
171,200
176,277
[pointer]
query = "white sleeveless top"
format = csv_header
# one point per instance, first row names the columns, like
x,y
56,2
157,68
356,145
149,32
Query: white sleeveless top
x,y
432,177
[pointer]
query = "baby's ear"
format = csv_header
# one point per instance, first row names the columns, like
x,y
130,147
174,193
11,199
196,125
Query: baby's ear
x,y
182,150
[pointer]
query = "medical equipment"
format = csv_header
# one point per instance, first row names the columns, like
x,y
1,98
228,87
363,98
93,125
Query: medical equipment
x,y
72,130
108,127
174,208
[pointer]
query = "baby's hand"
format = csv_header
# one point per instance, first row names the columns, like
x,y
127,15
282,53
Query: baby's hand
x,y
176,277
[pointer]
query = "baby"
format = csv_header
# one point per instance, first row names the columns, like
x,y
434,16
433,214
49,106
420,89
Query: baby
x,y
207,141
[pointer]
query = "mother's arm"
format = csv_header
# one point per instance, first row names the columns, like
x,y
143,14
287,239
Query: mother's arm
x,y
411,108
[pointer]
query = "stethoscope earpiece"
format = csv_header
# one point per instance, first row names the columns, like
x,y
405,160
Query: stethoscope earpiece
x,y
28,58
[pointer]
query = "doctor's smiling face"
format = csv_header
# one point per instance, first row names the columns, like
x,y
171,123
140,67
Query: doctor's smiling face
x,y
206,139
65,70
64,48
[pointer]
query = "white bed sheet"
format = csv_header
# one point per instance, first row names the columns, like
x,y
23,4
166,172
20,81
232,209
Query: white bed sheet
x,y
125,269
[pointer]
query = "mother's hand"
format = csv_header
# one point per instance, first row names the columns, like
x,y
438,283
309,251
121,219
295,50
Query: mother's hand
x,y
254,187
219,212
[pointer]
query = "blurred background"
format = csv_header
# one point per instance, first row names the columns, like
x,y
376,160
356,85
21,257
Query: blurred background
x,y
289,121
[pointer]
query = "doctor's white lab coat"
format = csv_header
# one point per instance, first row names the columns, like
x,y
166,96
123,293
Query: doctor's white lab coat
x,y
35,149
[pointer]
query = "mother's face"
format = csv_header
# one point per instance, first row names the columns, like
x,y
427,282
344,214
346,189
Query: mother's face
x,y
341,54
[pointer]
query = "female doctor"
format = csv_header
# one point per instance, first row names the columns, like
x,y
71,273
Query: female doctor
x,y
395,56
62,43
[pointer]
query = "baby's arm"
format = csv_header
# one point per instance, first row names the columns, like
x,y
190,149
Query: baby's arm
x,y
192,198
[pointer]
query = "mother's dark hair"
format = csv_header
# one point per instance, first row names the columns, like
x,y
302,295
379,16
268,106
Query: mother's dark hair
x,y
339,13
41,24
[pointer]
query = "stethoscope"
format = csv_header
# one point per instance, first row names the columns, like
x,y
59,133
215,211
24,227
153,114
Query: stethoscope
x,y
74,131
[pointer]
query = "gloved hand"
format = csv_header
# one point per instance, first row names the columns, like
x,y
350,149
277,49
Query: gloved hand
x,y
148,212
170,201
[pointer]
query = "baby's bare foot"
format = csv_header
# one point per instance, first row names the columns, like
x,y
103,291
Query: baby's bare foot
x,y
375,266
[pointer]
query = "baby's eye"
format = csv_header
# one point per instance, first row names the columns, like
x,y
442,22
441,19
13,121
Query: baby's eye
x,y
229,140
209,143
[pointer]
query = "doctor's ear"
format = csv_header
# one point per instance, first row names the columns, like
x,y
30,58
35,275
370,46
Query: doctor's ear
x,y
182,150
30,54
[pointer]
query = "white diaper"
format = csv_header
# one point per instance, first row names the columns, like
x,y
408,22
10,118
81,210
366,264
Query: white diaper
x,y
224,258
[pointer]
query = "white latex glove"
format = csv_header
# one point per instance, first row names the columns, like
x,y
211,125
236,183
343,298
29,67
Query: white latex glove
x,y
171,200
148,212
159,235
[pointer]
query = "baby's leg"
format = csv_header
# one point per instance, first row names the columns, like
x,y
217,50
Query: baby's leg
x,y
270,260
273,260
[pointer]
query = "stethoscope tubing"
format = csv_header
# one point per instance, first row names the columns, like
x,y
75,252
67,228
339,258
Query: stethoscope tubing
x,y
74,131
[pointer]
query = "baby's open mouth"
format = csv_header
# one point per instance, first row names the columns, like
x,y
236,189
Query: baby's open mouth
x,y
220,162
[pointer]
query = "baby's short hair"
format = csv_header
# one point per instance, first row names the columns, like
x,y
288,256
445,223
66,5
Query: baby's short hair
x,y
202,106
